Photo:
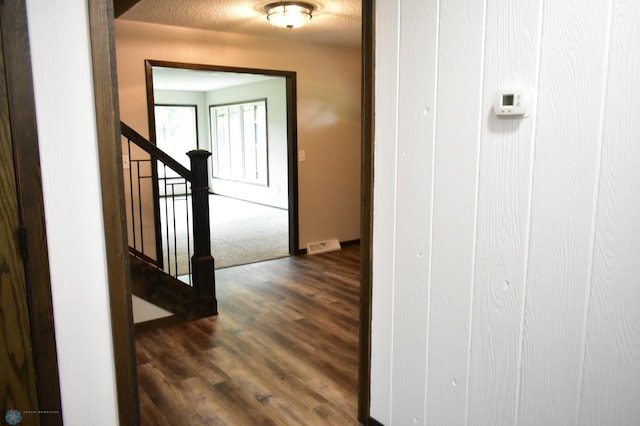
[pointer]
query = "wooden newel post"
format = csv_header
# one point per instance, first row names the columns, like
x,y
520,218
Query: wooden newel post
x,y
202,262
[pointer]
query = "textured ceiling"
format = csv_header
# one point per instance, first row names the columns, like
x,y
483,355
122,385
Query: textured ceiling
x,y
199,80
336,22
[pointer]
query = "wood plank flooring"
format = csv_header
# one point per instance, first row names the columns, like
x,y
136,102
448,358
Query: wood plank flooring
x,y
283,350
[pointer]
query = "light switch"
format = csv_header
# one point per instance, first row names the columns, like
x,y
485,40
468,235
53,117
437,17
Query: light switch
x,y
125,162
301,156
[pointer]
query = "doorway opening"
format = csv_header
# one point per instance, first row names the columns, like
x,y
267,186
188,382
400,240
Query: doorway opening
x,y
247,119
128,404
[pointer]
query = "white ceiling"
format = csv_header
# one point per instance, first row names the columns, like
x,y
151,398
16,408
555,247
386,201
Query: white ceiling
x,y
199,80
335,22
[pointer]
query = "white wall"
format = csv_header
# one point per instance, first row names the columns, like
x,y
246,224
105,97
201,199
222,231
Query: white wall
x,y
145,311
61,61
506,252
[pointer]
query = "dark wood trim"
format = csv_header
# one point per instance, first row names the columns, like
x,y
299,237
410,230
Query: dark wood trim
x,y
111,175
366,209
153,285
121,6
374,422
151,102
142,256
292,130
15,37
292,163
219,68
151,113
350,243
202,263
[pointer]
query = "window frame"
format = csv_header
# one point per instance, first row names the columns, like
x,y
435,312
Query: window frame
x,y
194,108
265,182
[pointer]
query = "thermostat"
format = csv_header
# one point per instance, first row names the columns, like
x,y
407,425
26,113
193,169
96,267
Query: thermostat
x,y
511,102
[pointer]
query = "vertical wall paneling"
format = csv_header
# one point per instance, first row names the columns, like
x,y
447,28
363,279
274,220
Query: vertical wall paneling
x,y
506,155
565,174
611,385
416,106
386,129
460,56
538,300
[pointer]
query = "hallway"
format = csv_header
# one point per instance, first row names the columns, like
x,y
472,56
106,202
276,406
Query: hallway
x,y
283,350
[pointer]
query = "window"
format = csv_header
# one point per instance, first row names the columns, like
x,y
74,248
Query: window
x,y
176,131
239,141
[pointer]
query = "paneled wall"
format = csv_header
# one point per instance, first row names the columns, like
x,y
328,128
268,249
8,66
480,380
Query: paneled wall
x,y
506,252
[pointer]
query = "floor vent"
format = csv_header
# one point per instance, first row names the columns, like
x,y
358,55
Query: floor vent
x,y
323,246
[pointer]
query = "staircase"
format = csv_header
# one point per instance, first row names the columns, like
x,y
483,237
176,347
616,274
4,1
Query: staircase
x,y
167,208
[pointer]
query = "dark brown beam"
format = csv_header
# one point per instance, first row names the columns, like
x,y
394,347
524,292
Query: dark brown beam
x,y
366,211
121,6
109,150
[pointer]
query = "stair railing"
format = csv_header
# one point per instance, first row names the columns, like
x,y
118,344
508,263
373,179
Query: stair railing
x,y
184,249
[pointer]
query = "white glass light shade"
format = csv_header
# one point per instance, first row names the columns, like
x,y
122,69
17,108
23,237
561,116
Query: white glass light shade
x,y
289,14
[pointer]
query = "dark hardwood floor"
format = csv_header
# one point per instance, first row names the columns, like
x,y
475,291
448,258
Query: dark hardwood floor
x,y
283,350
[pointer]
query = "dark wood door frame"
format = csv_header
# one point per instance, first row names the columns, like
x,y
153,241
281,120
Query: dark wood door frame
x,y
102,43
15,36
112,182
292,135
366,210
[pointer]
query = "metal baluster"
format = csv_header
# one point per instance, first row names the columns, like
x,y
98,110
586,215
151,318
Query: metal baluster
x,y
133,215
189,230
140,206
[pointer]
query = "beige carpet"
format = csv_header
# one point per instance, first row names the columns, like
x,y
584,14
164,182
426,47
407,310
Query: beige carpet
x,y
241,232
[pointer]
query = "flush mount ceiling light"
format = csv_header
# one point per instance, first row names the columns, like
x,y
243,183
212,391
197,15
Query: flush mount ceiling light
x,y
289,14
